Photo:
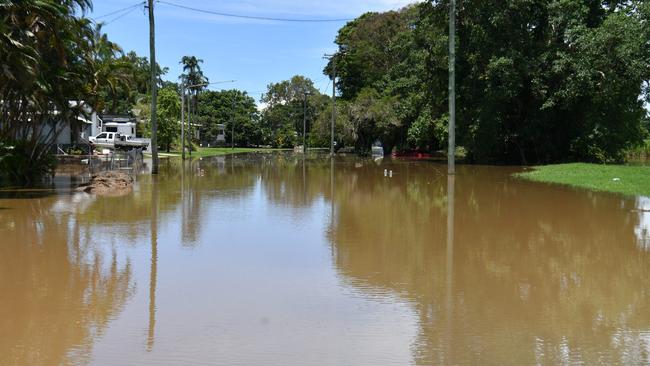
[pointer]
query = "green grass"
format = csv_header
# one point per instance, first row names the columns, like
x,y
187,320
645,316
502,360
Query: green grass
x,y
203,152
628,180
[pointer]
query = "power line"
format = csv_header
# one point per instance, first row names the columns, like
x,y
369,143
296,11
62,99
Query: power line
x,y
241,16
120,16
327,87
120,10
320,81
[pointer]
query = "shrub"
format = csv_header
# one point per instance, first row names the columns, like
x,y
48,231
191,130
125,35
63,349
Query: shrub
x,y
18,167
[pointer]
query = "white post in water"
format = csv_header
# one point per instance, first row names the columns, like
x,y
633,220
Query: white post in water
x,y
451,148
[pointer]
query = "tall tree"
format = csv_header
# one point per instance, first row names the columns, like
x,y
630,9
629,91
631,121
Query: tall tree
x,y
113,72
228,107
193,77
285,107
169,116
369,47
120,98
46,51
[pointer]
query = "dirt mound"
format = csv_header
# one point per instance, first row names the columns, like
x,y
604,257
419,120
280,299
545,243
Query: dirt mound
x,y
110,183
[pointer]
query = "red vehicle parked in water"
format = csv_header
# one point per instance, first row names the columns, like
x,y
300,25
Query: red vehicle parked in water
x,y
412,154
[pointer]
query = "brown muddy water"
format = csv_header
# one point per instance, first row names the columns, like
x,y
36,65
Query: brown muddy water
x,y
276,260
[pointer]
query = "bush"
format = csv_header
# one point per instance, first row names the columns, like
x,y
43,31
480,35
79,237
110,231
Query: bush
x,y
639,152
18,167
74,151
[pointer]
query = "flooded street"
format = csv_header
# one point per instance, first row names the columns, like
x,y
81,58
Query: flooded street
x,y
272,259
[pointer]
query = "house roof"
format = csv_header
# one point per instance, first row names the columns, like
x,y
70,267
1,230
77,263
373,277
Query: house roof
x,y
109,118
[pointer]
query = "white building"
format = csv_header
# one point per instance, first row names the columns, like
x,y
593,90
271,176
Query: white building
x,y
124,125
90,125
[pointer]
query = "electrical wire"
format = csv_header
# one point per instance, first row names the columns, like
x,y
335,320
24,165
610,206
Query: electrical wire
x,y
120,10
241,16
120,16
327,87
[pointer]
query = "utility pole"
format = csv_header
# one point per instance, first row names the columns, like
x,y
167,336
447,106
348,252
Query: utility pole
x,y
451,149
333,109
183,120
232,124
304,121
154,92
333,58
189,123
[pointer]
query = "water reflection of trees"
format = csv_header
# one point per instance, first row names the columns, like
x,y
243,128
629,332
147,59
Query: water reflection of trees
x,y
184,189
295,181
540,274
57,291
187,188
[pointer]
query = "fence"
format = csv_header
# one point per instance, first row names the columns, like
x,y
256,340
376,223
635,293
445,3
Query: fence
x,y
118,160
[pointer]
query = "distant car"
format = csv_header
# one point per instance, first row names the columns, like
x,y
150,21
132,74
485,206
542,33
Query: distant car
x,y
104,140
114,140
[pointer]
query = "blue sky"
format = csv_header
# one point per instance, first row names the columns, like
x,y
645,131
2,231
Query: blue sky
x,y
253,52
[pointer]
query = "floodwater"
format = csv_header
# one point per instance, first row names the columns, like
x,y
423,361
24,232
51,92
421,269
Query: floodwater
x,y
274,260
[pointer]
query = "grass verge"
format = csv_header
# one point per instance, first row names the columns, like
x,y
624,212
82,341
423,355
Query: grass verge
x,y
627,180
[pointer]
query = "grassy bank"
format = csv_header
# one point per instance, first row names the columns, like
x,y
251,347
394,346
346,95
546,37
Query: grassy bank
x,y
203,152
628,180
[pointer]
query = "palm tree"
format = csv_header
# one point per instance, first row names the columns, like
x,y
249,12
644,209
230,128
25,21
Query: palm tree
x,y
113,73
193,75
192,68
45,58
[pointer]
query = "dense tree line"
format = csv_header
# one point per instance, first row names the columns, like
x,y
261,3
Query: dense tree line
x,y
538,81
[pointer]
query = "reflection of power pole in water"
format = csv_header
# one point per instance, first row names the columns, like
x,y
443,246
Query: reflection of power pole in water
x,y
190,204
304,182
154,264
451,148
450,264
332,198
184,208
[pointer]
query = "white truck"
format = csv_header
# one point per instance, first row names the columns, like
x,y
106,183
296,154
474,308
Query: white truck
x,y
117,141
